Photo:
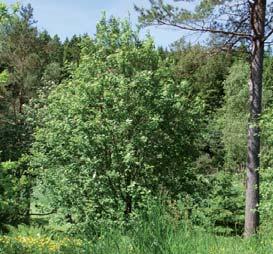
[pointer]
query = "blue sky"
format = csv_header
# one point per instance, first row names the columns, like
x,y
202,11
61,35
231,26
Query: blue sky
x,y
68,17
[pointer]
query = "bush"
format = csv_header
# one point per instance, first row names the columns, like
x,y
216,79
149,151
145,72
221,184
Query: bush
x,y
220,207
120,131
15,192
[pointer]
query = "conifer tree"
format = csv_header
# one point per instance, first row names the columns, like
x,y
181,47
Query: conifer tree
x,y
233,23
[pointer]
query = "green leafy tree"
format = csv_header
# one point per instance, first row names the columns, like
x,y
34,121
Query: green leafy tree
x,y
232,118
72,49
26,66
267,165
204,70
120,131
19,56
249,22
15,189
31,61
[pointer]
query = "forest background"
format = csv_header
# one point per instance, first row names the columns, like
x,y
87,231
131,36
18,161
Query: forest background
x,y
110,144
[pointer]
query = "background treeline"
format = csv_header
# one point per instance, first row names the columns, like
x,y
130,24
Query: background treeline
x,y
31,64
95,132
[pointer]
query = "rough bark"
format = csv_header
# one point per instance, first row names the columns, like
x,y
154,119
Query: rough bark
x,y
254,20
257,12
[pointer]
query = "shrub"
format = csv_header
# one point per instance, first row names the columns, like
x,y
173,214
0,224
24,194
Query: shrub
x,y
120,131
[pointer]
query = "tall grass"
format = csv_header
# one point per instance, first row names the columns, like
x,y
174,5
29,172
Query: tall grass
x,y
154,233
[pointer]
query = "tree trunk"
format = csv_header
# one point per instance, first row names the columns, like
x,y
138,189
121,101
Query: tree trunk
x,y
257,13
128,205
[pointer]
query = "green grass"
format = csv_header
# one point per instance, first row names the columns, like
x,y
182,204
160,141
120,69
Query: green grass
x,y
157,233
177,242
183,242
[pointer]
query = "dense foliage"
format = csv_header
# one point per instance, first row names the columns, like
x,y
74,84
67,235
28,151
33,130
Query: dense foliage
x,y
31,62
122,144
120,130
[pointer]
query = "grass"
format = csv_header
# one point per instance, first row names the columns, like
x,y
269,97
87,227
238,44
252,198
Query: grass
x,y
156,234
178,242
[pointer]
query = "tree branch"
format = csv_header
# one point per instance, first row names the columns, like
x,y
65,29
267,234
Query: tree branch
x,y
268,35
205,29
43,214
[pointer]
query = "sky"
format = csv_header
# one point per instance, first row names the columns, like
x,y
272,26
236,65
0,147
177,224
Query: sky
x,y
69,17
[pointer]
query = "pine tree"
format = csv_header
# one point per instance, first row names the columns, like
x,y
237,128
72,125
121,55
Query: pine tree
x,y
233,23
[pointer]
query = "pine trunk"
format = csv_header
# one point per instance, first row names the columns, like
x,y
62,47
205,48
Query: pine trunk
x,y
257,12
